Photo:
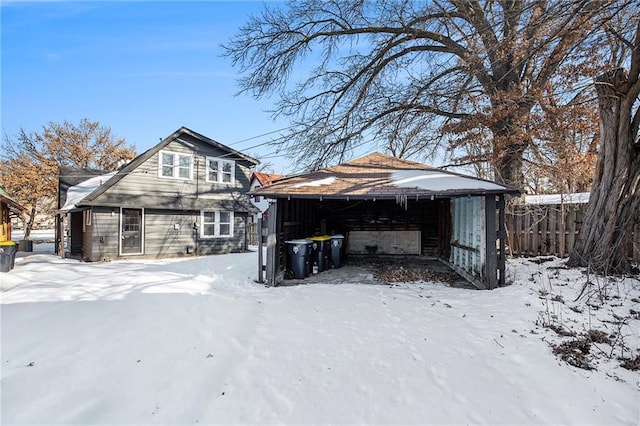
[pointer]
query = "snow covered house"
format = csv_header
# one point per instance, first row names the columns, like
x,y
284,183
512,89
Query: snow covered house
x,y
396,206
186,195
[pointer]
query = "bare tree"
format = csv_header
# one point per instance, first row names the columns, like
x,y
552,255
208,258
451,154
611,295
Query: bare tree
x,y
29,166
409,74
566,136
615,196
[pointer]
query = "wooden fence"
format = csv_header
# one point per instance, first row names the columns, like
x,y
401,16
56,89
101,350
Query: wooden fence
x,y
252,233
544,230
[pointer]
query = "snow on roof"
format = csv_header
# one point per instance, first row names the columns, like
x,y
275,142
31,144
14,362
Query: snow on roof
x,y
546,199
437,181
319,182
78,192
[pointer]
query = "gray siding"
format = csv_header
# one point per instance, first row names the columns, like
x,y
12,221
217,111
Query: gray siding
x,y
162,239
103,236
171,206
167,233
143,186
227,245
87,241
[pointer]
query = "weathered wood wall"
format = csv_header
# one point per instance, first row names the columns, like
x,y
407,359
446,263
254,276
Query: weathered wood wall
x,y
551,230
301,218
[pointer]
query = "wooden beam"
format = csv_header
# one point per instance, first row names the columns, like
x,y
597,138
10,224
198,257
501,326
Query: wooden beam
x,y
491,261
272,244
260,245
502,235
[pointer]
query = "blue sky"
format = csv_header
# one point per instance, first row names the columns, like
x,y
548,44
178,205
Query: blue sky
x,y
141,68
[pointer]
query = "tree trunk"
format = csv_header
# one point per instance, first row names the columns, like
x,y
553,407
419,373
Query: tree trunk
x,y
30,223
615,195
510,165
510,142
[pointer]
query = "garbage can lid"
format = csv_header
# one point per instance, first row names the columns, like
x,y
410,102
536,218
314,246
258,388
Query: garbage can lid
x,y
299,241
338,236
320,238
7,243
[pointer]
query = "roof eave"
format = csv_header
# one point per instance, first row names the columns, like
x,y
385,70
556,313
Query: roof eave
x,y
389,196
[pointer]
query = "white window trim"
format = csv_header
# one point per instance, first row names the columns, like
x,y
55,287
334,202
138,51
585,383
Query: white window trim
x,y
176,162
220,173
216,227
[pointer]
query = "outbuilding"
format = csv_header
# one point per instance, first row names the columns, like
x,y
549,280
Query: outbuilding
x,y
386,206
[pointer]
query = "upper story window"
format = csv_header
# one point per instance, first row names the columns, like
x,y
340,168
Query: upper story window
x,y
220,170
175,165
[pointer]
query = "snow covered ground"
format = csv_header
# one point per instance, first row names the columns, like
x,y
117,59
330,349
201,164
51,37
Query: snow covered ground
x,y
197,341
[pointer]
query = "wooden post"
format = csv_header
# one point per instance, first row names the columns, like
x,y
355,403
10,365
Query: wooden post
x,y
563,228
272,245
491,261
60,234
260,246
502,235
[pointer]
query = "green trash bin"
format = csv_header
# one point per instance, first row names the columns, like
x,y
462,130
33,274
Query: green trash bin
x,y
8,251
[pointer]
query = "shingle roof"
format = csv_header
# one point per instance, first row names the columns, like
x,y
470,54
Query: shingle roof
x,y
265,178
381,176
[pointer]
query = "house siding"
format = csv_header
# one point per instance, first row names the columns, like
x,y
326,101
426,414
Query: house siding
x,y
171,207
143,186
162,239
167,233
237,243
103,235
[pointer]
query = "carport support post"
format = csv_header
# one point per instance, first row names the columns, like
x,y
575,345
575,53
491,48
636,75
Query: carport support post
x,y
272,217
502,235
260,245
491,262
60,234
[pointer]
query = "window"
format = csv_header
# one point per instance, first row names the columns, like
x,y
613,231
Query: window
x,y
174,165
216,224
220,171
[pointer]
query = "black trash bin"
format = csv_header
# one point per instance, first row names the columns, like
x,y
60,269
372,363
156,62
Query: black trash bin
x,y
337,242
297,260
8,251
322,249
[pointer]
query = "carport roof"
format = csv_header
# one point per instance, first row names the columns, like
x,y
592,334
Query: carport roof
x,y
379,176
